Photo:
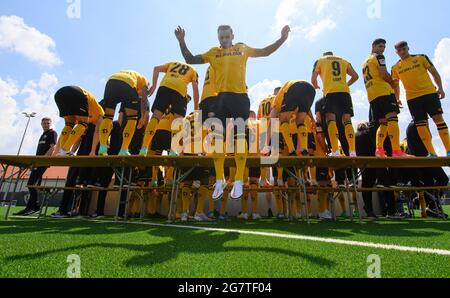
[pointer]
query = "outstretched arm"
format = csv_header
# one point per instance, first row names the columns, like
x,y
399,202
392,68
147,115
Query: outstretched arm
x,y
156,71
438,80
314,82
196,94
269,50
180,34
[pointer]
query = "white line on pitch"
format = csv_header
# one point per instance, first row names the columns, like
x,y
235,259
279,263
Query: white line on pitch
x,y
441,252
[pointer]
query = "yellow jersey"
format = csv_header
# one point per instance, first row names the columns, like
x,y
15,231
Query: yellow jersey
x,y
376,86
209,87
230,67
278,101
178,76
132,78
265,108
95,110
333,72
413,72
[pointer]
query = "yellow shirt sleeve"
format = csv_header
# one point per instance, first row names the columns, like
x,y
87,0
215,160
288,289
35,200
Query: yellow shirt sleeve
x,y
249,51
207,56
394,74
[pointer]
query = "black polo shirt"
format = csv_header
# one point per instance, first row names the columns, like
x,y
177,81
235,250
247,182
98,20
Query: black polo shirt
x,y
48,138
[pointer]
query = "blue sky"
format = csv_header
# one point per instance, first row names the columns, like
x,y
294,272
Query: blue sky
x,y
111,35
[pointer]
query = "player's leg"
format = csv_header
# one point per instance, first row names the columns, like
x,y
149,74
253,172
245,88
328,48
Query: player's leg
x,y
443,131
76,133
418,110
349,133
333,131
70,122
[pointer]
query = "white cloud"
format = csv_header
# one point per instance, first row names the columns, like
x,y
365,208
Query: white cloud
x,y
442,60
18,37
36,96
361,105
313,31
262,90
308,19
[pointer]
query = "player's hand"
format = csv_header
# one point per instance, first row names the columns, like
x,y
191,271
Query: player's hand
x,y
400,104
144,120
93,154
285,32
151,90
180,33
441,94
266,151
317,87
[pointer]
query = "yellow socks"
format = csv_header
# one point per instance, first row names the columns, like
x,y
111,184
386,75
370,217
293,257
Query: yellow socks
x,y
219,165
350,134
422,202
333,133
65,134
186,194
202,195
105,130
322,197
150,132
128,132
151,205
254,197
443,133
75,135
381,135
394,133
425,135
241,160
302,133
245,203
285,132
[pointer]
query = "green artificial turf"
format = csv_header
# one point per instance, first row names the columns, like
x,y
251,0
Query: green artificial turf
x,y
39,248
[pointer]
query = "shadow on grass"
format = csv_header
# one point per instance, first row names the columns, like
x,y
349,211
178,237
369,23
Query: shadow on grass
x,y
182,241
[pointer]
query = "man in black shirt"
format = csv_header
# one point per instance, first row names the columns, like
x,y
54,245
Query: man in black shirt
x,y
45,147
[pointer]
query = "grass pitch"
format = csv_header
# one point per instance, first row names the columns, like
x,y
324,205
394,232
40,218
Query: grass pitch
x,y
39,248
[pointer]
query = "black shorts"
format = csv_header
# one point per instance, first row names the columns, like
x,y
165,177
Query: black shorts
x,y
322,175
72,101
339,103
208,108
232,106
383,105
198,174
300,96
168,98
254,172
424,106
117,91
162,141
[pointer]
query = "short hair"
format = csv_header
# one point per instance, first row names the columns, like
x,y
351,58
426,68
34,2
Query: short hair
x,y
46,119
401,44
362,126
224,27
379,41
277,89
330,53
